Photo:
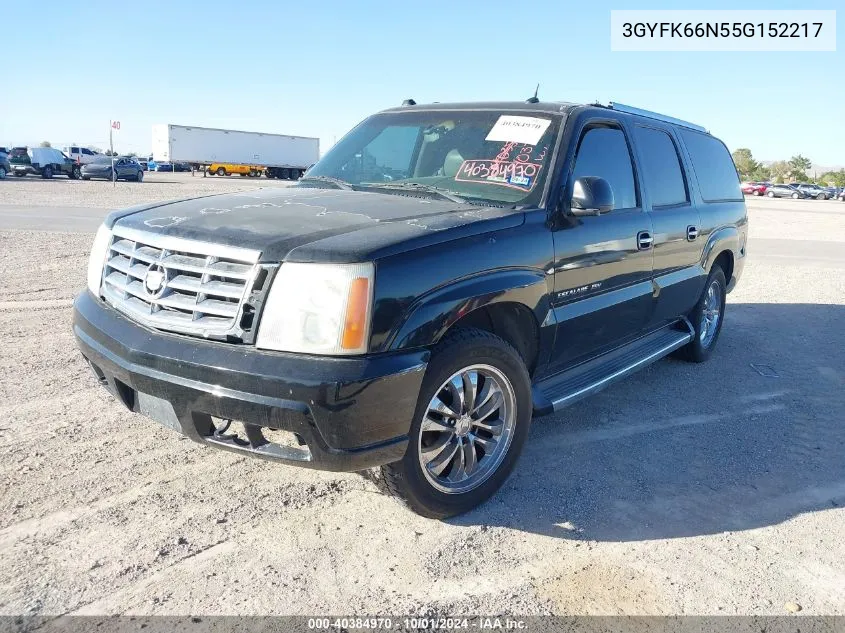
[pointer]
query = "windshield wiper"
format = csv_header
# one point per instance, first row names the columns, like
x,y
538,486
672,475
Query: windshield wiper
x,y
418,186
340,184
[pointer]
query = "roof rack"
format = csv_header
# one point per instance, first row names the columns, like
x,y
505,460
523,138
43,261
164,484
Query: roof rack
x,y
621,107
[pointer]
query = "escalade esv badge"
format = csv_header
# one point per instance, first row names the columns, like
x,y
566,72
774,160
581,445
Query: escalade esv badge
x,y
155,281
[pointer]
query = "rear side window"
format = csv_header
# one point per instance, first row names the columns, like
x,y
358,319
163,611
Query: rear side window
x,y
714,167
664,179
603,152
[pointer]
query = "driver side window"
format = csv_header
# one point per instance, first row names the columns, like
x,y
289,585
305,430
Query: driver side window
x,y
603,152
387,157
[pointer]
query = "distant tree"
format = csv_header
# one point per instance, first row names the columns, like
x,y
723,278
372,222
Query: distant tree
x,y
45,144
745,163
762,173
780,171
800,166
108,152
132,154
833,178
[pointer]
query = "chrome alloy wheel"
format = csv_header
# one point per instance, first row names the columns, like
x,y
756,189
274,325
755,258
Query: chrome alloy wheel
x,y
710,314
467,429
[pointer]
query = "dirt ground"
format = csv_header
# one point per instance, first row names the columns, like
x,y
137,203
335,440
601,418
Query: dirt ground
x,y
686,489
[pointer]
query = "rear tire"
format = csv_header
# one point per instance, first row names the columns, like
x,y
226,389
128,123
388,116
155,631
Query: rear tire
x,y
795,196
707,317
2,173
434,478
47,172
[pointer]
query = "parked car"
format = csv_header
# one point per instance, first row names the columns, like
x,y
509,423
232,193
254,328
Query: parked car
x,y
181,167
5,167
754,188
811,190
143,163
841,195
125,168
410,303
81,155
44,161
785,191
164,167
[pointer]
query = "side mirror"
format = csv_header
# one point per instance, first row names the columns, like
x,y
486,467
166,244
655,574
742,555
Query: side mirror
x,y
591,196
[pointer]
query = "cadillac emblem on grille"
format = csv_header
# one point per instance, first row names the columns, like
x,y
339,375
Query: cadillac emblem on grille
x,y
155,281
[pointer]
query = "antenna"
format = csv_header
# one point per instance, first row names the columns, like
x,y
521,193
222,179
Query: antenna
x,y
534,99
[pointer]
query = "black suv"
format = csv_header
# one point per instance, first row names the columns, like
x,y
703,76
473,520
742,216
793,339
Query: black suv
x,y
442,275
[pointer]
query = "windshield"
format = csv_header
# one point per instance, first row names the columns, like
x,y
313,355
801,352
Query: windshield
x,y
494,157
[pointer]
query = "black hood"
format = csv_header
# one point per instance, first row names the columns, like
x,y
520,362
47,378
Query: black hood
x,y
308,224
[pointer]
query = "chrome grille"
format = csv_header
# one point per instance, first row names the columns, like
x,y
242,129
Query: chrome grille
x,y
203,289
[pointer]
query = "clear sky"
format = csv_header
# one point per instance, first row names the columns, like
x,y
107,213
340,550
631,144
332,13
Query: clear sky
x,y
317,68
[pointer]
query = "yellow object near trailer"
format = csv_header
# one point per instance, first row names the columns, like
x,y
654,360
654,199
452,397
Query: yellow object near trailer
x,y
227,169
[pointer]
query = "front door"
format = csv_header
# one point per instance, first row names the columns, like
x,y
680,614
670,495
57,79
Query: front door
x,y
602,270
678,234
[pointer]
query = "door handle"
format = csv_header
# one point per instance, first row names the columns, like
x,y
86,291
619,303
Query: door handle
x,y
644,240
692,233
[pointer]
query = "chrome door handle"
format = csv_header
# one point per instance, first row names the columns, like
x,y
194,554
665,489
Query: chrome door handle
x,y
692,233
644,240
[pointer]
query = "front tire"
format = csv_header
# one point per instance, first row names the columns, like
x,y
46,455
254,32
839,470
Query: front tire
x,y
139,177
770,194
76,173
707,317
47,173
795,196
460,450
221,171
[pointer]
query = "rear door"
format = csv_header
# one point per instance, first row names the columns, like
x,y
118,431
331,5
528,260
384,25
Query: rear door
x,y
602,268
675,219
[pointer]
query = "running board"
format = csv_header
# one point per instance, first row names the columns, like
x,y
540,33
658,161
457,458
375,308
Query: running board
x,y
559,391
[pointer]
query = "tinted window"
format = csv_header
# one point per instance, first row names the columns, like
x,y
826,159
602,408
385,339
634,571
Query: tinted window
x,y
392,150
87,151
713,167
603,152
74,150
662,173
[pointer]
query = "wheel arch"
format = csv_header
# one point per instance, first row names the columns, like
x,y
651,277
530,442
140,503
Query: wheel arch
x,y
512,304
722,243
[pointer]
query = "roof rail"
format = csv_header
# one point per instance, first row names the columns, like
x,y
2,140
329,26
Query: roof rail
x,y
621,107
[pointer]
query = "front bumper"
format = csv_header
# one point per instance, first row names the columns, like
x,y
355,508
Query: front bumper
x,y
348,414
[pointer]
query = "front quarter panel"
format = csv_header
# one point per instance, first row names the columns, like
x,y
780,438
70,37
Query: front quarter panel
x,y
419,295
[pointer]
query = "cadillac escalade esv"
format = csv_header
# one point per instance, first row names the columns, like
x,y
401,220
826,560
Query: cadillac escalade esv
x,y
442,275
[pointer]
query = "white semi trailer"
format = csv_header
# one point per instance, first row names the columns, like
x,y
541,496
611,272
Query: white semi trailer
x,y
280,155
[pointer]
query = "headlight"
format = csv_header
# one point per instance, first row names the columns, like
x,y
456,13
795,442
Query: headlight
x,y
97,259
318,309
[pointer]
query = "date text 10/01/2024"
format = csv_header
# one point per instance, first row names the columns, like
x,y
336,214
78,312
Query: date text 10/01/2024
x,y
418,624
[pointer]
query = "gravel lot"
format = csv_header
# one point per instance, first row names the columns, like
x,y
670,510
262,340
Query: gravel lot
x,y
686,489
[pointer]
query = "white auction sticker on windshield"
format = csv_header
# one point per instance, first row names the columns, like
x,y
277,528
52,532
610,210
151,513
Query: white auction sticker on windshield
x,y
518,129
